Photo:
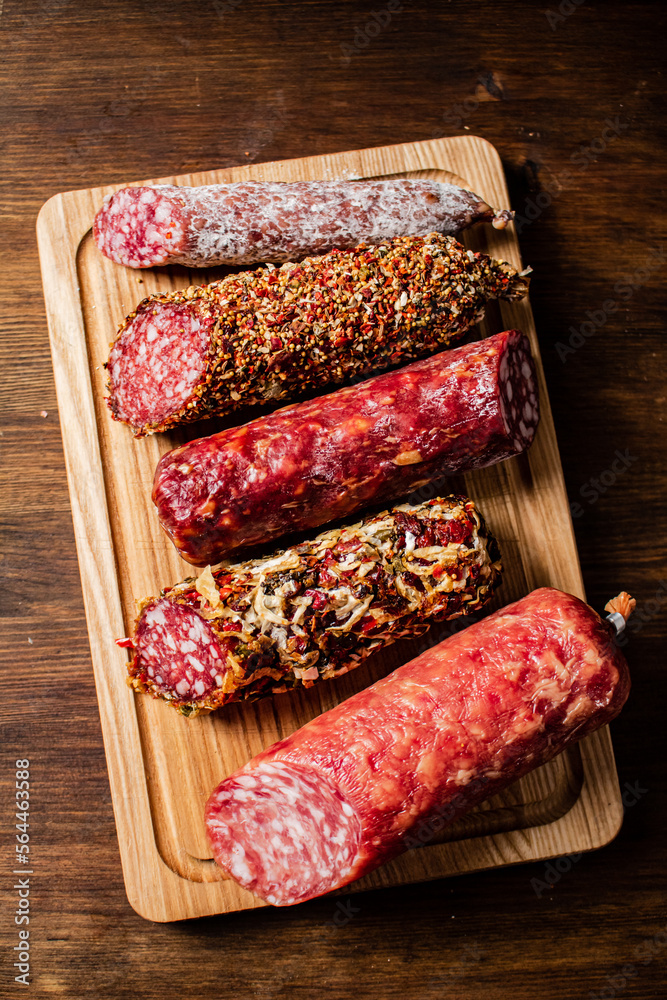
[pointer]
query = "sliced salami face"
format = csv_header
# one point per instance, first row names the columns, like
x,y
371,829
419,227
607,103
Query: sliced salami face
x,y
179,652
419,748
158,363
370,443
251,222
261,336
518,393
144,226
283,831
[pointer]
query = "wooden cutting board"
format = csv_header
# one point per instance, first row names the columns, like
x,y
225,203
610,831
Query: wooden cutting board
x,y
162,767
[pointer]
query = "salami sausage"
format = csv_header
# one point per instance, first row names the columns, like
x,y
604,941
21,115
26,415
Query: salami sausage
x,y
386,769
271,334
251,222
314,611
371,443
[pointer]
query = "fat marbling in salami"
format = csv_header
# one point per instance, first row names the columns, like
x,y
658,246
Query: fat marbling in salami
x,y
251,222
371,443
275,333
386,769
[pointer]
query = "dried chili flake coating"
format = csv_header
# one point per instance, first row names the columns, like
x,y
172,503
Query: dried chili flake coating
x,y
251,222
315,611
271,334
396,762
325,459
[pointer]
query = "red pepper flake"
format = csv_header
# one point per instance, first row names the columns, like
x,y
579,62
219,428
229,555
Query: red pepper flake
x,y
339,306
319,599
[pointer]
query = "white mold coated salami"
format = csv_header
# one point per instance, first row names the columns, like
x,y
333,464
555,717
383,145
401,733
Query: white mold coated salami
x,y
371,443
275,333
251,222
246,630
388,768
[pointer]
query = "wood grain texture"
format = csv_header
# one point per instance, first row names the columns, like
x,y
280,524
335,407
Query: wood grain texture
x,y
97,94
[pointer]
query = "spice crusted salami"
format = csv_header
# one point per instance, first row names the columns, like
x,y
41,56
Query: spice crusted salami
x,y
242,631
251,222
388,768
371,443
270,334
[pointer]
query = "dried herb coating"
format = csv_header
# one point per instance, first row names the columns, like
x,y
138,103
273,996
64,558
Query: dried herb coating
x,y
315,611
271,334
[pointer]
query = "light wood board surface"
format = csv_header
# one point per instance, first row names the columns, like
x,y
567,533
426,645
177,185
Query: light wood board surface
x,y
162,767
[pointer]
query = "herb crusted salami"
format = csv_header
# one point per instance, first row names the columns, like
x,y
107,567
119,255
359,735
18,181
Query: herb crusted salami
x,y
270,334
242,631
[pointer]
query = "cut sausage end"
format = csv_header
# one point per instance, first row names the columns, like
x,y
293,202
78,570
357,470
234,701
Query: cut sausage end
x,y
141,227
178,656
283,831
519,401
417,749
156,364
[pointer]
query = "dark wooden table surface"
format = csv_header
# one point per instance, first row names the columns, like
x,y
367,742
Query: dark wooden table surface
x,y
573,98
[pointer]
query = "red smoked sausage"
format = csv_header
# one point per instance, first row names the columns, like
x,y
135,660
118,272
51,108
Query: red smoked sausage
x,y
386,769
322,460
